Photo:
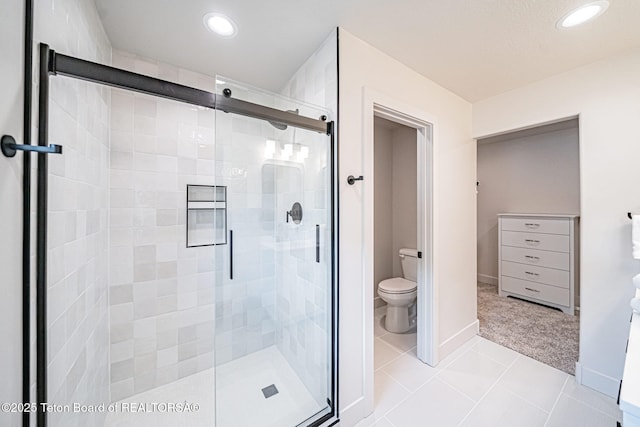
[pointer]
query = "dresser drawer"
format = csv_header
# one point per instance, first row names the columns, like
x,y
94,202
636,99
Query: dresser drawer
x,y
537,225
545,242
559,260
547,276
536,291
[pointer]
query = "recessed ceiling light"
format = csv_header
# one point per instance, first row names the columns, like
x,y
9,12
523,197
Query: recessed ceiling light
x,y
583,14
220,25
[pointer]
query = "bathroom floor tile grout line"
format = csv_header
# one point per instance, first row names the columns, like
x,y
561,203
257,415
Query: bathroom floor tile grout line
x,y
546,423
399,350
489,390
428,381
410,393
492,358
583,403
395,347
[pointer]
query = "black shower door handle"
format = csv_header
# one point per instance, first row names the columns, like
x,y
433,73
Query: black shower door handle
x,y
230,254
317,242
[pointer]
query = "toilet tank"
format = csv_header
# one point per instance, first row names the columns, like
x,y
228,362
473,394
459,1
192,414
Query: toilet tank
x,y
409,263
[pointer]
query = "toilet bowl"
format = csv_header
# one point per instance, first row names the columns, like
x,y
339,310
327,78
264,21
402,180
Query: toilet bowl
x,y
400,292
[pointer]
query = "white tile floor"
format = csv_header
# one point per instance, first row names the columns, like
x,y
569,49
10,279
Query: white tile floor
x,y
240,401
481,384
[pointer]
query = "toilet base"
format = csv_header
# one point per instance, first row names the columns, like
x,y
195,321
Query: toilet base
x,y
397,319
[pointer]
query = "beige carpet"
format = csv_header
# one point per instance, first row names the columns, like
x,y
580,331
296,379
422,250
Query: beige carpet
x,y
542,333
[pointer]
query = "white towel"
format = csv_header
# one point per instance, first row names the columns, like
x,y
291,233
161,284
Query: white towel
x,y
635,235
635,304
636,281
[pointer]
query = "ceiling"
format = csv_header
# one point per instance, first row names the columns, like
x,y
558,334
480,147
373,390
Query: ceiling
x,y
475,48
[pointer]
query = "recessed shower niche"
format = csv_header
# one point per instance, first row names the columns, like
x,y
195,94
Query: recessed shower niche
x,y
206,215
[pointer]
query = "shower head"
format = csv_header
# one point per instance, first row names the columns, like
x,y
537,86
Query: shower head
x,y
282,126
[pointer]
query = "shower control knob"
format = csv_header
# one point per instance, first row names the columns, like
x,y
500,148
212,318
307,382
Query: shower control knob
x,y
226,92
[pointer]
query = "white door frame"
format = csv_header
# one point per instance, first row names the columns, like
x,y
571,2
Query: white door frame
x,y
380,105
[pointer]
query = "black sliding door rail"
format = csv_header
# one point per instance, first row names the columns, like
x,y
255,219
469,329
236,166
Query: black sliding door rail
x,y
86,70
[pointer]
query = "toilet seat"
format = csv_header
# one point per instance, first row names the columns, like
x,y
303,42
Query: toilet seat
x,y
397,285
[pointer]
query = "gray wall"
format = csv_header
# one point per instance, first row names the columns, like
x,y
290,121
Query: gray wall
x,y
526,173
383,224
395,197
405,189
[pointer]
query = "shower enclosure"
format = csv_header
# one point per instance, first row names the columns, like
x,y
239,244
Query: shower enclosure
x,y
273,299
185,253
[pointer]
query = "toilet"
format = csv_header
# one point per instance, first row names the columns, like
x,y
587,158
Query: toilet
x,y
400,292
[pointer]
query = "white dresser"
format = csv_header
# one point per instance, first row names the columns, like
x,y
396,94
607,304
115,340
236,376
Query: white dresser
x,y
538,258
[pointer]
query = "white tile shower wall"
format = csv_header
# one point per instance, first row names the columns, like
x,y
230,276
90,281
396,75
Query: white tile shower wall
x,y
245,304
161,292
303,305
78,334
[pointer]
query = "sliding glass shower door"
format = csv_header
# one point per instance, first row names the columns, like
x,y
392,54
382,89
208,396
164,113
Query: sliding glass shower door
x,y
274,281
190,255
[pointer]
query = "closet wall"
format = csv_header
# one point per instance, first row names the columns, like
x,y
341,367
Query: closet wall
x,y
532,171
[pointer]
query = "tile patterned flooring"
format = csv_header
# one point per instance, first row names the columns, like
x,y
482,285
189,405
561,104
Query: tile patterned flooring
x,y
481,384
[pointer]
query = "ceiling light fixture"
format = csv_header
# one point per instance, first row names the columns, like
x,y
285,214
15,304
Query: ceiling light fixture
x,y
220,25
583,14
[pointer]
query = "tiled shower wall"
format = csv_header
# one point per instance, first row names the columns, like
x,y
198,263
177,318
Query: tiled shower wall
x,y
261,190
161,292
303,305
78,330
245,320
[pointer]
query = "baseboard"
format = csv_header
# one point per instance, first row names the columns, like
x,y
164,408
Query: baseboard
x,y
378,302
597,381
454,342
485,278
354,413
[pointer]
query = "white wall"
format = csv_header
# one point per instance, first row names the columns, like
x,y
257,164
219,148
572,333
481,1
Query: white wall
x,y
362,66
11,48
528,174
606,95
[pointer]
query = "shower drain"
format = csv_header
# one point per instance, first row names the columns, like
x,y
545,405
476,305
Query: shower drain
x,y
269,391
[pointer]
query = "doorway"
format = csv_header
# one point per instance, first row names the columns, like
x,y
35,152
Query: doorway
x,y
395,236
379,106
528,241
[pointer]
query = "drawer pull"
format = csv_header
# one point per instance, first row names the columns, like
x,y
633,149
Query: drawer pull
x,y
531,274
532,241
531,257
532,290
531,225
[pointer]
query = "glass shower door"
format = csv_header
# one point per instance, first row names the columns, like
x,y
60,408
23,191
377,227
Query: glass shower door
x,y
273,291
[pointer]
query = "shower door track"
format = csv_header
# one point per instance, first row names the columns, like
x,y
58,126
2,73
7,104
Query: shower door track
x,y
59,64
53,63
